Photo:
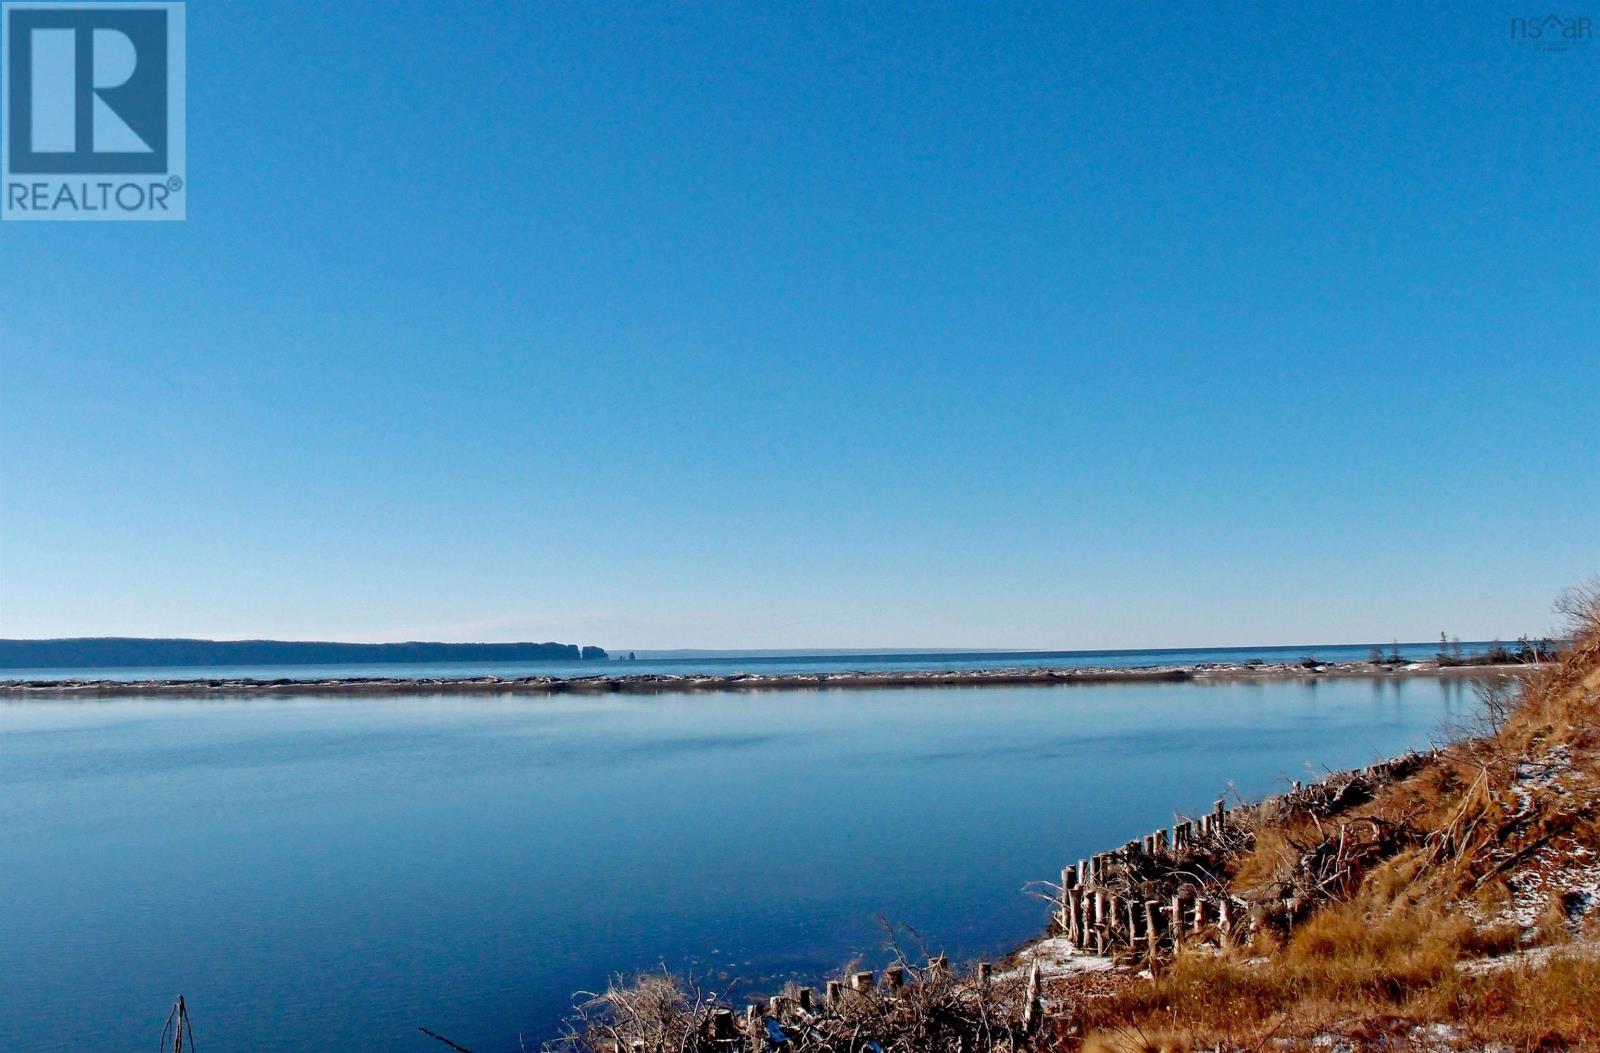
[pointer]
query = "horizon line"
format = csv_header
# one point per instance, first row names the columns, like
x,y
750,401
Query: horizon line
x,y
750,652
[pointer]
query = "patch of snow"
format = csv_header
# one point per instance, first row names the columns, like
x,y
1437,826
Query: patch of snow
x,y
1058,956
1561,868
1553,871
1433,1038
1542,774
1533,956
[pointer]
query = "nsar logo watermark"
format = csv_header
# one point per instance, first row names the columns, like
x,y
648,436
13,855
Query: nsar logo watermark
x,y
92,100
1553,32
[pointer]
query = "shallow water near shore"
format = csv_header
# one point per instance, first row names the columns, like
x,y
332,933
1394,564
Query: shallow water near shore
x,y
331,873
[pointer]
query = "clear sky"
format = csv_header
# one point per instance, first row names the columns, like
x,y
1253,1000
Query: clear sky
x,y
810,325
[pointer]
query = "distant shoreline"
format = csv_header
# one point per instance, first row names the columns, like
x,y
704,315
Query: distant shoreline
x,y
655,683
148,652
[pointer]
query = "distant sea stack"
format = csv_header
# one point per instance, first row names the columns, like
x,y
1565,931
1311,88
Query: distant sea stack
x,y
103,652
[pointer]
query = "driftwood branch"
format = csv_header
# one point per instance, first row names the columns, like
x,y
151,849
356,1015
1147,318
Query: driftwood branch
x,y
440,1038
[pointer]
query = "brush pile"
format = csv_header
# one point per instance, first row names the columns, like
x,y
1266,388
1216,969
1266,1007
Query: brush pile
x,y
932,1009
1153,895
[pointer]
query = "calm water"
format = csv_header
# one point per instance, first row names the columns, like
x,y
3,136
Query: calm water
x,y
330,873
732,662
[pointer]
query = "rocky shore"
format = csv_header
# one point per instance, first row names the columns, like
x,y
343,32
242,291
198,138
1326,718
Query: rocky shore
x,y
693,682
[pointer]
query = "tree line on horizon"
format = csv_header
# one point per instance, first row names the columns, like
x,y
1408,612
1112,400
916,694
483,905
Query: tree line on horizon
x,y
113,652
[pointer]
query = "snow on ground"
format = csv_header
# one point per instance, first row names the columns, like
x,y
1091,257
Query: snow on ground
x,y
1543,774
1058,957
1383,1034
1563,869
1567,870
1534,956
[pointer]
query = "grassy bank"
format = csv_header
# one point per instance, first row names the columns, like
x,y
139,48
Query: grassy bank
x,y
1477,927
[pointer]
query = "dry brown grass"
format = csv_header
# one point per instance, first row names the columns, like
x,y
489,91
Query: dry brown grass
x,y
1347,971
1346,962
1133,1040
1388,956
1546,1005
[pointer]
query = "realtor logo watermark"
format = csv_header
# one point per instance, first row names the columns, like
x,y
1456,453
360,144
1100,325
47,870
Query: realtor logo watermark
x,y
92,100
1553,32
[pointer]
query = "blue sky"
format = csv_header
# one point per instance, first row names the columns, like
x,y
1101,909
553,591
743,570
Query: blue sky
x,y
824,325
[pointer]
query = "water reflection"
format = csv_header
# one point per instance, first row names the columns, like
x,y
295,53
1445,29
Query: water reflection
x,y
337,870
